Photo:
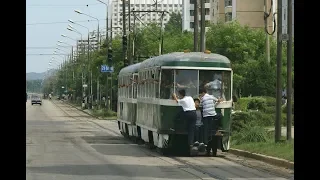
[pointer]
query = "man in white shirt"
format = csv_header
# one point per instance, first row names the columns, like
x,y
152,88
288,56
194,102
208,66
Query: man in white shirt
x,y
189,113
210,117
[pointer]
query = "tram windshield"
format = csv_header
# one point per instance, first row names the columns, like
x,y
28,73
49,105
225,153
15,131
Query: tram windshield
x,y
188,80
217,83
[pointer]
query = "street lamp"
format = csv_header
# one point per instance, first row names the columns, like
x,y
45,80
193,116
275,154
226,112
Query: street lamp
x,y
62,42
79,12
61,50
88,51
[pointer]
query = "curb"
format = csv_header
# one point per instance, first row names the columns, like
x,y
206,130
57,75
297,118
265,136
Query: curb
x,y
268,159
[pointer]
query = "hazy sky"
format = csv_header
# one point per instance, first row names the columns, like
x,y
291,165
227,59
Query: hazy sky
x,y
46,20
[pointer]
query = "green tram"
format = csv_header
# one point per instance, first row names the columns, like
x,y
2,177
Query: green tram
x,y
146,109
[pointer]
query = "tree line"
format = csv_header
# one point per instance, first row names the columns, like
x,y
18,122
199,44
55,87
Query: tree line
x,y
244,46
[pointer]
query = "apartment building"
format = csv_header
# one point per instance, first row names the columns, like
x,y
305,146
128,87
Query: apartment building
x,y
188,13
246,12
115,12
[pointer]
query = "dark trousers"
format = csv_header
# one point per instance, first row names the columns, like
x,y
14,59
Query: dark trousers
x,y
211,123
199,134
190,117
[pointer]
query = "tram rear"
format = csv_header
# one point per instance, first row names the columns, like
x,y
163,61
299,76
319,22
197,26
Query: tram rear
x,y
158,117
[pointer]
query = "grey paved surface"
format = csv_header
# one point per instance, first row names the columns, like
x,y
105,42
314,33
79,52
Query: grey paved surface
x,y
66,144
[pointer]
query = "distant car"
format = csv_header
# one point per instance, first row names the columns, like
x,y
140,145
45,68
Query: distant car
x,y
36,100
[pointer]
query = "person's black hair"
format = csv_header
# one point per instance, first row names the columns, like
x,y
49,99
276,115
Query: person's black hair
x,y
196,99
182,92
202,90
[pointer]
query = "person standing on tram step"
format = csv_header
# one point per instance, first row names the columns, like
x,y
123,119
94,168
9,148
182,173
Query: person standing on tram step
x,y
210,119
189,113
199,127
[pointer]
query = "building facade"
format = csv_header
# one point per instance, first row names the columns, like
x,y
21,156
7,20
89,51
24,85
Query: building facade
x,y
246,12
115,12
188,13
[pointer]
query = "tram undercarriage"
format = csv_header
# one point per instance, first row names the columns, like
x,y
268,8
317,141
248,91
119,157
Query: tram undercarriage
x,y
171,143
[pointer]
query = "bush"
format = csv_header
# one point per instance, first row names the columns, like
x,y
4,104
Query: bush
x,y
104,113
242,103
284,119
239,120
257,118
270,101
257,103
284,108
262,119
270,110
251,133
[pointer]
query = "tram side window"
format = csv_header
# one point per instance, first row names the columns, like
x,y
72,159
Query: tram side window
x,y
152,84
135,86
126,87
156,82
130,86
120,87
143,84
140,85
188,80
123,87
166,86
217,83
147,84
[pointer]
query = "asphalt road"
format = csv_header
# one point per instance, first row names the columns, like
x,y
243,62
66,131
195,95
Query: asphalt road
x,y
64,143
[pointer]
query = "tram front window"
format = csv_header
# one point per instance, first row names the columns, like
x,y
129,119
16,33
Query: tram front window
x,y
188,80
217,83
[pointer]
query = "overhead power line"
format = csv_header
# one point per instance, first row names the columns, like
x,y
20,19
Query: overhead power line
x,y
48,47
61,5
45,54
62,22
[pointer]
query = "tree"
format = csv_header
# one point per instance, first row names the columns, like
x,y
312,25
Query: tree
x,y
174,25
260,79
244,46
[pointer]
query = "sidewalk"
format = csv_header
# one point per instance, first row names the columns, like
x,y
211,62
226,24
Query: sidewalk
x,y
283,131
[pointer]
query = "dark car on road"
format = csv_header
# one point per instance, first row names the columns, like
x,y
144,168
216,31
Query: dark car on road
x,y
36,100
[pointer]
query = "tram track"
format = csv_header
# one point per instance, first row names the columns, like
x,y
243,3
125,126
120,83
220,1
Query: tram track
x,y
183,164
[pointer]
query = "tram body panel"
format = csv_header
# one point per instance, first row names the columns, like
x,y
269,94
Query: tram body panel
x,y
155,117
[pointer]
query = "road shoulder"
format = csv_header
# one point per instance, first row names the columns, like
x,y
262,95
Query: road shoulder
x,y
236,155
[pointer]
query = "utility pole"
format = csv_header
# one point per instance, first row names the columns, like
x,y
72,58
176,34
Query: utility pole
x,y
203,27
289,71
129,36
266,15
279,73
196,26
107,45
124,33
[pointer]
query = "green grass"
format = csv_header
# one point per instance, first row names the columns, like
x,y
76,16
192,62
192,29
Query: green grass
x,y
284,150
106,114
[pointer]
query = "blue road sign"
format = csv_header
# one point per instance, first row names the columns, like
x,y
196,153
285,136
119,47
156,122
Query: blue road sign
x,y
105,68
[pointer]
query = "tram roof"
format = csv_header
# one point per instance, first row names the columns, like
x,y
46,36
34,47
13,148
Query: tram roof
x,y
189,59
130,69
